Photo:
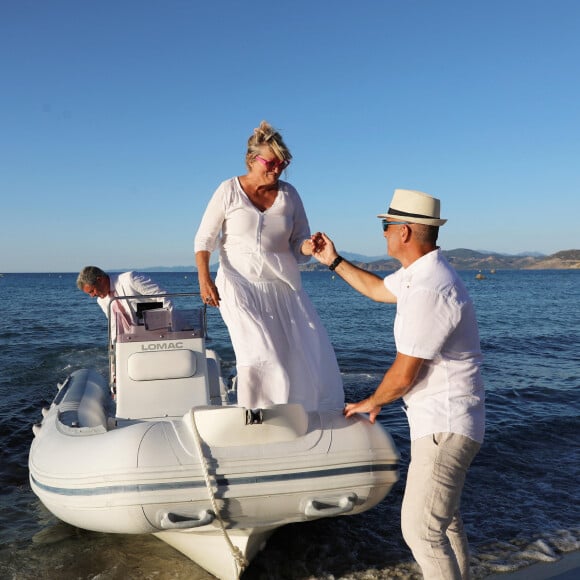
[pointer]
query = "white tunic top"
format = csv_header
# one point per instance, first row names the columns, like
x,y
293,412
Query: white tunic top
x,y
436,321
283,354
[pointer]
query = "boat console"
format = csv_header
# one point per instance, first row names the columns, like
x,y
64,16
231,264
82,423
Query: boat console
x,y
159,367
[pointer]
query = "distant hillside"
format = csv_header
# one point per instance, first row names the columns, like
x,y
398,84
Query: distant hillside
x,y
461,258
565,260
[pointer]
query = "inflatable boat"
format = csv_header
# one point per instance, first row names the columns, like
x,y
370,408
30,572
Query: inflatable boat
x,y
162,449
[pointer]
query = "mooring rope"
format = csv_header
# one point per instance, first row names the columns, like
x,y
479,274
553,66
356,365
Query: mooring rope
x,y
240,561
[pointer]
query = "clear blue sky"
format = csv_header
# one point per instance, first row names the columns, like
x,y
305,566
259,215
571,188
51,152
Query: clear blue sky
x,y
119,118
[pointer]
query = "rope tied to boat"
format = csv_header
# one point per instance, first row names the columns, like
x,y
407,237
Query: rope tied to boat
x,y
240,561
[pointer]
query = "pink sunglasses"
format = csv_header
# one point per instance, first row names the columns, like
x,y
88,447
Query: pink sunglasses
x,y
273,164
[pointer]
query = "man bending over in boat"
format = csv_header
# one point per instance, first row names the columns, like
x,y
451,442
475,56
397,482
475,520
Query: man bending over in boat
x,y
95,282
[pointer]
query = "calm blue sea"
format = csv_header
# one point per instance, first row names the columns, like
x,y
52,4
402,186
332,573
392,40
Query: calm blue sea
x,y
521,502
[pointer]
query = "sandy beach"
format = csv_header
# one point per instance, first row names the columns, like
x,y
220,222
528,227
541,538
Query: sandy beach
x,y
567,568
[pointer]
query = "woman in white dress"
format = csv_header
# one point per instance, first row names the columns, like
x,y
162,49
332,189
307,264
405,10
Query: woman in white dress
x,y
258,222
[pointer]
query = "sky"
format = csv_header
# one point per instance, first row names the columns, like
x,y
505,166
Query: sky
x,y
119,119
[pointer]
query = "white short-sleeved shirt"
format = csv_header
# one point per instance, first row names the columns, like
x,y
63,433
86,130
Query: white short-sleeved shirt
x,y
131,284
436,321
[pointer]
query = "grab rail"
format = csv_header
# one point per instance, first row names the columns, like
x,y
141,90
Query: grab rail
x,y
172,521
327,508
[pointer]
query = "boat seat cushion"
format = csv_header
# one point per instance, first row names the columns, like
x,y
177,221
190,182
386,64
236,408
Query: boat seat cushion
x,y
159,365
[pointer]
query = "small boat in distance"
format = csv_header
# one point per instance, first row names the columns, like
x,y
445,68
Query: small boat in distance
x,y
480,276
170,453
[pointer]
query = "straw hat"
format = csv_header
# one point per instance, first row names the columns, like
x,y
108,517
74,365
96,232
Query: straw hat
x,y
415,207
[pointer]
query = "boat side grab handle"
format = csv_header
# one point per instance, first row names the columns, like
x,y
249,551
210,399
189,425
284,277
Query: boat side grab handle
x,y
329,508
171,521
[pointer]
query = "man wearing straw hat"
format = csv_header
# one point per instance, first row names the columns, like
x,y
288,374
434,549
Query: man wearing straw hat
x,y
437,372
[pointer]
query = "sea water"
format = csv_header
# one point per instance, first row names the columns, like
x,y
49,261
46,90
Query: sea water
x,y
521,499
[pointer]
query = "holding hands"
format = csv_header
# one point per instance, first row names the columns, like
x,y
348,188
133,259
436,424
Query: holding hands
x,y
313,244
324,250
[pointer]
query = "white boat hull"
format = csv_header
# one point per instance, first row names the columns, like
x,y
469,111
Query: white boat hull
x,y
139,477
216,478
213,550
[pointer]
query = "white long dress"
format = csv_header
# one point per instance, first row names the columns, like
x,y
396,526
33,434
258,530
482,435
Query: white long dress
x,y
283,353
